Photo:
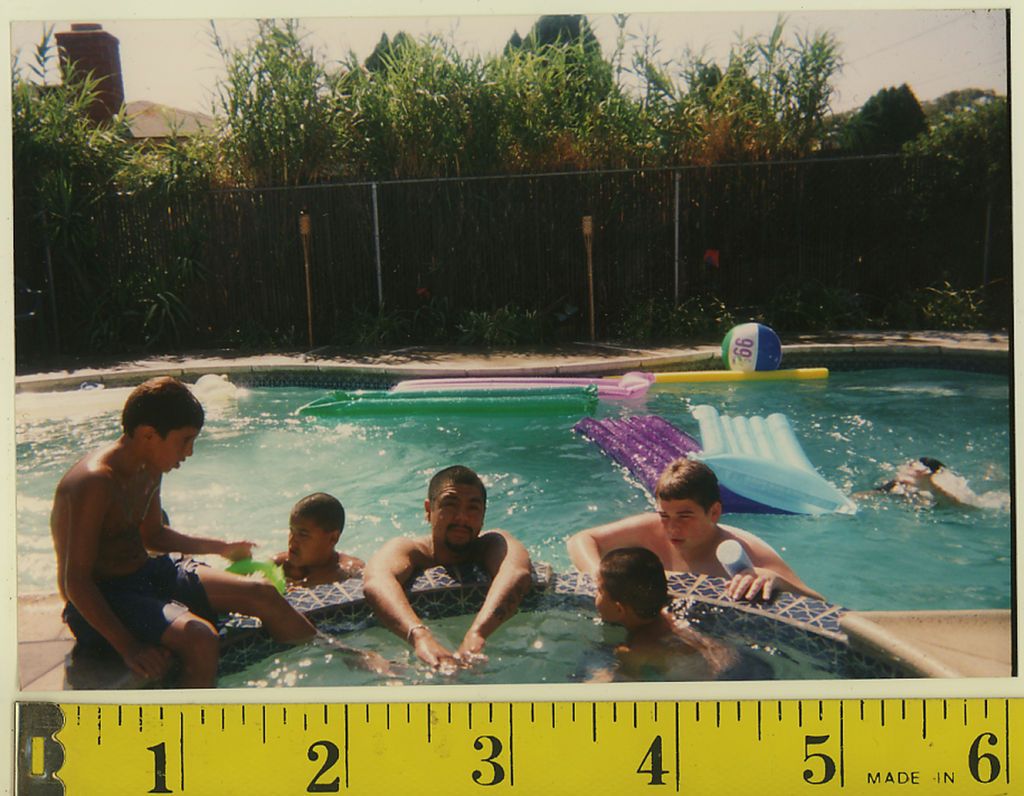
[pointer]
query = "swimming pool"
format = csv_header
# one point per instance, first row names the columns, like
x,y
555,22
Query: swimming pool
x,y
255,458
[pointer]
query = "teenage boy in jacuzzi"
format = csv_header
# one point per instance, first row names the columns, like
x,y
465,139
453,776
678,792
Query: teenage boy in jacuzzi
x,y
455,506
314,528
106,522
685,534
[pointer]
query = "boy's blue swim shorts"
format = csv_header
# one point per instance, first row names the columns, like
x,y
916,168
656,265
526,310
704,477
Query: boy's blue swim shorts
x,y
147,601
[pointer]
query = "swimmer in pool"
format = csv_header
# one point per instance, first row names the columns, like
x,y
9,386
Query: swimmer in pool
x,y
314,528
929,482
107,524
454,508
685,534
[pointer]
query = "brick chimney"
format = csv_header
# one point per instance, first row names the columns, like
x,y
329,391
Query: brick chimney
x,y
92,49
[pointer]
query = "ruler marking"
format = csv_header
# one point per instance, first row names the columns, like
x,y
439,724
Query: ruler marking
x,y
450,712
718,714
490,712
284,715
985,703
305,722
696,712
428,722
634,715
821,710
903,710
965,712
799,714
469,713
655,712
573,711
140,718
944,710
779,705
1006,725
243,715
924,718
387,717
738,711
118,715
221,719
511,749
325,715
842,748
367,718
161,713
593,721
408,712
615,712
677,747
759,720
99,725
882,714
552,715
531,713
263,723
346,743
78,715
202,716
181,747
862,710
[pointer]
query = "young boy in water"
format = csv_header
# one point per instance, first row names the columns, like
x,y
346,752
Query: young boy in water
x,y
632,591
106,523
314,528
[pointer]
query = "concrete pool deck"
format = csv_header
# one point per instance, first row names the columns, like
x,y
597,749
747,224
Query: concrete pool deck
x,y
44,641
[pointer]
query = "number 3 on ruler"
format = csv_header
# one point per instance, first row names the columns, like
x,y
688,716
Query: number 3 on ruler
x,y
830,764
496,769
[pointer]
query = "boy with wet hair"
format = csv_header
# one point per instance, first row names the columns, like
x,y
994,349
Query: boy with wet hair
x,y
107,521
454,508
685,534
632,591
314,528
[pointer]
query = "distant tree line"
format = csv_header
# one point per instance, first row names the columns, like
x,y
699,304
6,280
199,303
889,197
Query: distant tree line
x,y
550,101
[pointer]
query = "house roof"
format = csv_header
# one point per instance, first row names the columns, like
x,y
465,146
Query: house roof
x,y
152,120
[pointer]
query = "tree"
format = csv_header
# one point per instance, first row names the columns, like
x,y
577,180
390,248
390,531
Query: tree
x,y
890,118
278,113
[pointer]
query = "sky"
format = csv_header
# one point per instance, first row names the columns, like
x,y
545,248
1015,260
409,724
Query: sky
x,y
174,62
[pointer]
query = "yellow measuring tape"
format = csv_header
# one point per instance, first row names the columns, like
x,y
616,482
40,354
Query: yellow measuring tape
x,y
926,745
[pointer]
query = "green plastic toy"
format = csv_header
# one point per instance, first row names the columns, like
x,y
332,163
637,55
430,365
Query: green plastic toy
x,y
271,571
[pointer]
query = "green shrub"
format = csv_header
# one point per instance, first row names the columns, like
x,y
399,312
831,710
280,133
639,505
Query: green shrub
x,y
505,326
946,307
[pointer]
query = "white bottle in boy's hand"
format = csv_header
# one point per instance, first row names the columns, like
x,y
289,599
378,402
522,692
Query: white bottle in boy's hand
x,y
733,557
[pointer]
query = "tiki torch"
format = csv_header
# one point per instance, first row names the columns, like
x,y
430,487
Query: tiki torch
x,y
588,241
305,231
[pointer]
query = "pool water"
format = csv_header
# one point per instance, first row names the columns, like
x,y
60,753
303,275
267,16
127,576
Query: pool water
x,y
556,644
254,459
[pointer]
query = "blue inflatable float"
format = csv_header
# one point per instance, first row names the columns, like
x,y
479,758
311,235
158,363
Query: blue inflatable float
x,y
760,465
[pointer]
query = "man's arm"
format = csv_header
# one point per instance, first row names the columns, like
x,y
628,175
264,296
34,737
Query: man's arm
x,y
587,546
383,586
88,505
508,564
162,538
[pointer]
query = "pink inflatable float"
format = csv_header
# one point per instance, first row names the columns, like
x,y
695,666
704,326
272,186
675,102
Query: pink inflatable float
x,y
629,386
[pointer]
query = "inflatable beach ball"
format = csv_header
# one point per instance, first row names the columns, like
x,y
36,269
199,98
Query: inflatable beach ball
x,y
751,346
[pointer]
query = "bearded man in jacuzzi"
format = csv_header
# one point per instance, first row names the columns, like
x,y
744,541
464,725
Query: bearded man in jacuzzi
x,y
455,506
685,534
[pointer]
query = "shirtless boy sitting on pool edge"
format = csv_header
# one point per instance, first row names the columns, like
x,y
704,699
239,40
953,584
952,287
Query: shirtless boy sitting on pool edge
x,y
455,506
106,519
685,533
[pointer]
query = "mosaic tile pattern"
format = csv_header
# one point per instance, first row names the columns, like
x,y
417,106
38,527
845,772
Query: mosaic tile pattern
x,y
810,627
